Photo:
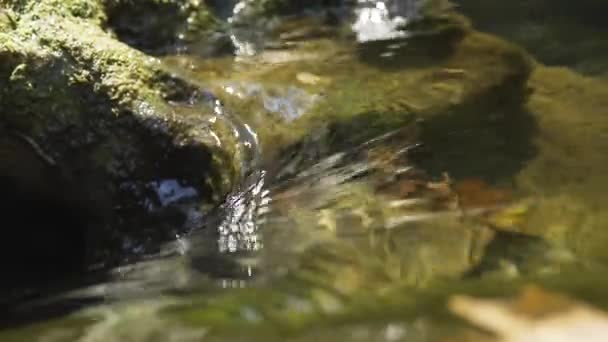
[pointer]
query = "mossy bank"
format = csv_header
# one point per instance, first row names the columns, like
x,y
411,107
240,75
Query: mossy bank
x,y
88,123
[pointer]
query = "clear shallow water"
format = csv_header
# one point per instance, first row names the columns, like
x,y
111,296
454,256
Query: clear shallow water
x,y
389,176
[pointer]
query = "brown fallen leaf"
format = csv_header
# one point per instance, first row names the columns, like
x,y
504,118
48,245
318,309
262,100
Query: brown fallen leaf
x,y
442,187
407,187
535,316
475,193
444,195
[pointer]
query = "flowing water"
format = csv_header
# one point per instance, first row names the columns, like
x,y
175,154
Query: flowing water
x,y
383,171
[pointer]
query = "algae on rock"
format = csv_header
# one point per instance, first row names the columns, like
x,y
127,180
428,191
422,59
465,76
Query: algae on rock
x,y
99,113
568,176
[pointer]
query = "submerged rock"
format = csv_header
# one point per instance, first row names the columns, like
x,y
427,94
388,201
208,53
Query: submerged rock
x,y
568,176
445,79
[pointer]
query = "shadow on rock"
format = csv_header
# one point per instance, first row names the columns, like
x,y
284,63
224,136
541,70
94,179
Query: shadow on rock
x,y
495,147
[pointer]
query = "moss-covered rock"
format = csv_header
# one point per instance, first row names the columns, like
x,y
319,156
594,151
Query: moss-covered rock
x,y
568,174
96,124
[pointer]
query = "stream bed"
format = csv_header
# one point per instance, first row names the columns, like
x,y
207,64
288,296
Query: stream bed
x,y
409,171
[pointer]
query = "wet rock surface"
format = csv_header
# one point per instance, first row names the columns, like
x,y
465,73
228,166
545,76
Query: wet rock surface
x,y
87,125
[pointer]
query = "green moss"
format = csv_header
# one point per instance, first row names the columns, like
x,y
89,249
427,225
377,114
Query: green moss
x,y
86,9
71,329
567,177
159,26
481,72
72,53
7,20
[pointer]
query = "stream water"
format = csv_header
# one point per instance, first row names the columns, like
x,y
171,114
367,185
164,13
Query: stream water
x,y
380,177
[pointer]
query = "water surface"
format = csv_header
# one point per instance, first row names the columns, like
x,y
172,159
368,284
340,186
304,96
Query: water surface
x,y
384,170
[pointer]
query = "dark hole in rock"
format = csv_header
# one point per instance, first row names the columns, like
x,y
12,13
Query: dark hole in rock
x,y
58,233
44,248
45,237
44,224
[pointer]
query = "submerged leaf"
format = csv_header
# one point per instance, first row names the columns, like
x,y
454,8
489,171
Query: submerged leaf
x,y
475,192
